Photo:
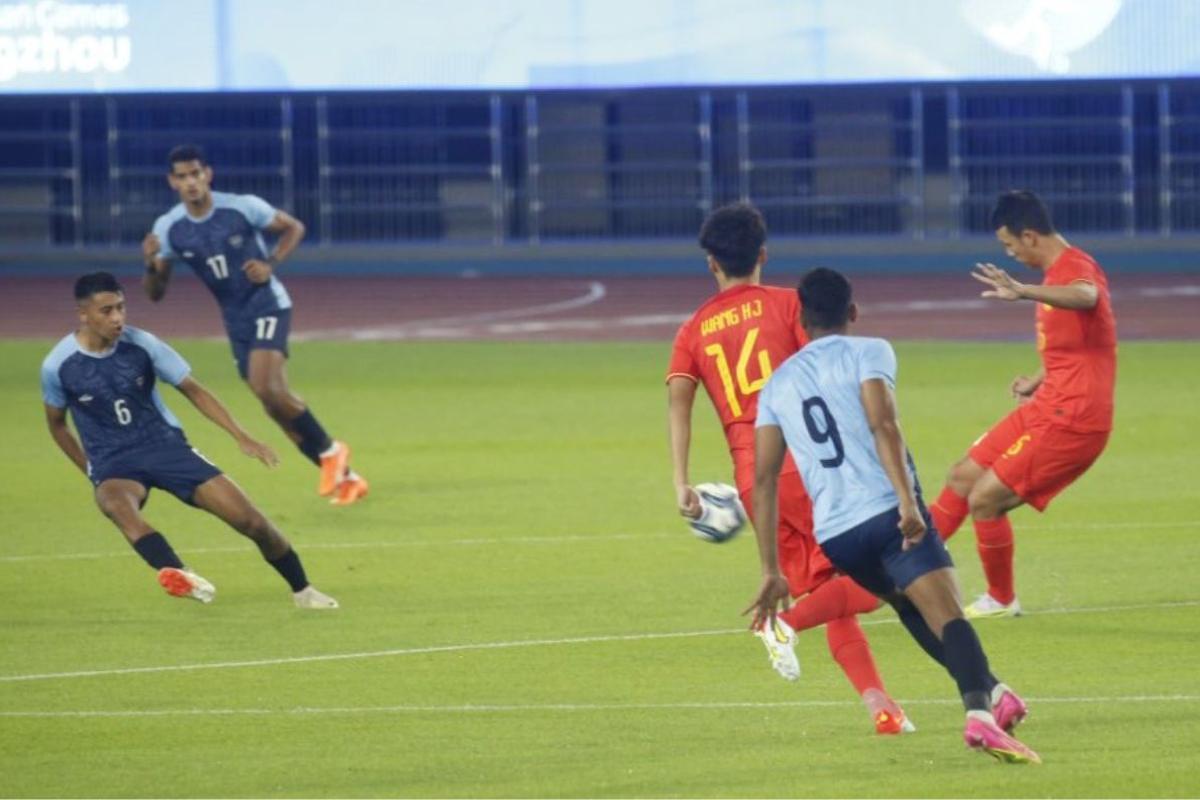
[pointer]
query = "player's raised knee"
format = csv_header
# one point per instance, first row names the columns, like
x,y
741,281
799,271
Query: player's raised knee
x,y
984,502
963,476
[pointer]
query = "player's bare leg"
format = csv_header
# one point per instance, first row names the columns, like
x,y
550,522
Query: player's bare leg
x,y
936,596
121,501
989,501
224,499
267,377
951,508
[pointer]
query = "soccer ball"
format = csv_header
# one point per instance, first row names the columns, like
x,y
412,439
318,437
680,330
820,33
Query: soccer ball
x,y
722,515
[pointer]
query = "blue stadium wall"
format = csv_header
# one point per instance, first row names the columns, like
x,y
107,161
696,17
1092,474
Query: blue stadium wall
x,y
863,177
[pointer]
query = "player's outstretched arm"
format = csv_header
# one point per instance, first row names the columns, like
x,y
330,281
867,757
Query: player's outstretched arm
x,y
1076,296
879,403
208,405
769,449
681,397
56,421
158,269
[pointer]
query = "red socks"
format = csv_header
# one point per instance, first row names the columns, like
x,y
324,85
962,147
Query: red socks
x,y
948,512
832,600
994,540
849,648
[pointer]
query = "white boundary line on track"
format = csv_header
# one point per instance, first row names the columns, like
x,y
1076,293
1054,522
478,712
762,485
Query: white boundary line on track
x,y
457,325
478,646
565,539
491,324
495,708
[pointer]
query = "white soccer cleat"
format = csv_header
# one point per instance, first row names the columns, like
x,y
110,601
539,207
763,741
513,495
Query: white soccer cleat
x,y
987,607
185,583
780,640
309,597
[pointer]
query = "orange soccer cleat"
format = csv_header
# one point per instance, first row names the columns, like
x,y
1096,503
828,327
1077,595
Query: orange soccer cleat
x,y
184,583
334,464
893,722
350,490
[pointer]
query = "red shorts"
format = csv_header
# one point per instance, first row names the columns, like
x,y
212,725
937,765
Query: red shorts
x,y
800,559
1034,457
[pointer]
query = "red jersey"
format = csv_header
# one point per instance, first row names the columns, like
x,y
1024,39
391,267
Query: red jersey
x,y
732,344
1078,350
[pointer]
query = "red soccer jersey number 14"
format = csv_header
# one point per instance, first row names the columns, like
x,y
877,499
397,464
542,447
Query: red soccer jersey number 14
x,y
733,343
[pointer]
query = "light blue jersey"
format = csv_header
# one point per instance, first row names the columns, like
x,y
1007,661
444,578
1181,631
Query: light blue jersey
x,y
113,396
814,397
216,246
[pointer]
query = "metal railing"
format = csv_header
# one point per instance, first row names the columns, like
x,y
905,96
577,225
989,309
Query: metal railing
x,y
900,161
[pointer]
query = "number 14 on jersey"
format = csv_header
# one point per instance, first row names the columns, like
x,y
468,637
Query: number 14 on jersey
x,y
744,386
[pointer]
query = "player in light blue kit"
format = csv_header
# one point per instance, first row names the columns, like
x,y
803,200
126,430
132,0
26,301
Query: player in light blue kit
x,y
219,236
106,374
833,405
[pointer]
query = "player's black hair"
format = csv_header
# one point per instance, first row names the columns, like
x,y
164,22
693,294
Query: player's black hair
x,y
185,152
96,282
1021,211
734,235
825,298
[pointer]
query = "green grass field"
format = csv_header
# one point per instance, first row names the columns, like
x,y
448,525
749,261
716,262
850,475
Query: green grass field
x,y
523,615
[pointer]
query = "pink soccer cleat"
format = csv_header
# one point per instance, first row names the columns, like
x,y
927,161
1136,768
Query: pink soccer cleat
x,y
987,736
1008,709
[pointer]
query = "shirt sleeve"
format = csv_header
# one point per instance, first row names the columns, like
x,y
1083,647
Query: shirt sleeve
x,y
1072,268
162,229
52,388
877,359
766,414
258,212
168,365
683,364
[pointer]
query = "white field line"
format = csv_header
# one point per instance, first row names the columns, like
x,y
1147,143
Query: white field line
x,y
503,708
480,646
535,540
450,325
306,546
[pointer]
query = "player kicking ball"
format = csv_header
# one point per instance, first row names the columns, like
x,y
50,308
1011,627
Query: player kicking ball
x,y
1064,413
105,373
832,405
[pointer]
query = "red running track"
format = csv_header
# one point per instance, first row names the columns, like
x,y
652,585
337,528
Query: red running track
x,y
578,309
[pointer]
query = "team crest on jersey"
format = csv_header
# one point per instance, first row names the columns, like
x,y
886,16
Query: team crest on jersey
x,y
235,240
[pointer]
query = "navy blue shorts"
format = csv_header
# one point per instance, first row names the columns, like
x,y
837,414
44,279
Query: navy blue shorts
x,y
871,553
175,467
267,331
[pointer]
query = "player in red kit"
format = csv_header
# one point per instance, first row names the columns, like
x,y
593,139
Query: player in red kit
x,y
732,344
1064,413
